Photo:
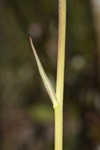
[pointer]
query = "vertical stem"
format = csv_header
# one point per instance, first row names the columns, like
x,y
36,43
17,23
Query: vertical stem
x,y
59,127
60,75
61,49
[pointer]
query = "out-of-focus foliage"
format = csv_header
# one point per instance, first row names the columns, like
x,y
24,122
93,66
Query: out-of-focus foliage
x,y
26,120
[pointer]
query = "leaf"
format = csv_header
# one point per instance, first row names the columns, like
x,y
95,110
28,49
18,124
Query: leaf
x,y
45,79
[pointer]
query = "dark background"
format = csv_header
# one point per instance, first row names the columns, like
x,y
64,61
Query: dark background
x,y
26,114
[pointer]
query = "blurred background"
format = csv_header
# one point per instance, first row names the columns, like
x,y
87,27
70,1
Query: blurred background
x,y
26,114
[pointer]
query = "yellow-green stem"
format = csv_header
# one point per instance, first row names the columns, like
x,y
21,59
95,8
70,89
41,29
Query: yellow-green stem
x,y
60,75
58,128
61,49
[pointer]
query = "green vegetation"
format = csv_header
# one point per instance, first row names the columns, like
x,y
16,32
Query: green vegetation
x,y
24,103
56,98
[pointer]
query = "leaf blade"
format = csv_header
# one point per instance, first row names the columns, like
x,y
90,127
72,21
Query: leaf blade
x,y
45,79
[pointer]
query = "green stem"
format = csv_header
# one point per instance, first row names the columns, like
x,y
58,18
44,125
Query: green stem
x,y
58,127
61,49
60,75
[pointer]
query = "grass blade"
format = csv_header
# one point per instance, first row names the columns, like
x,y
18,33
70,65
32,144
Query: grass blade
x,y
45,79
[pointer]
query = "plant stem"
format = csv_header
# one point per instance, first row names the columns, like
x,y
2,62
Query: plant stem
x,y
58,127
60,75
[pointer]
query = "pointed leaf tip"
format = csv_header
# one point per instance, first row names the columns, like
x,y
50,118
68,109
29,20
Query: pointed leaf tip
x,y
45,79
